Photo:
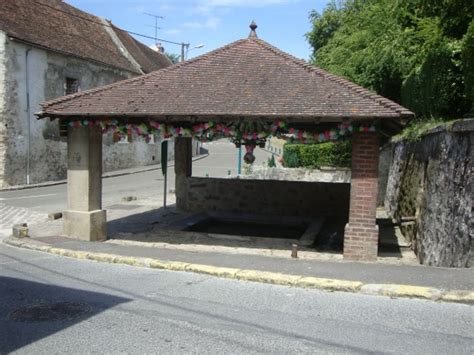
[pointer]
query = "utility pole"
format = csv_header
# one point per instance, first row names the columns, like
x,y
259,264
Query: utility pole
x,y
184,48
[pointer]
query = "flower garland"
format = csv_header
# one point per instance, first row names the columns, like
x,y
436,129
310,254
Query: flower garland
x,y
246,133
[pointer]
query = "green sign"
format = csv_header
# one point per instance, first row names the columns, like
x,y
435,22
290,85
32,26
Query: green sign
x,y
164,157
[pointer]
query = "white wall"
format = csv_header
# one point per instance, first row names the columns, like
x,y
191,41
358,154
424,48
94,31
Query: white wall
x,y
47,72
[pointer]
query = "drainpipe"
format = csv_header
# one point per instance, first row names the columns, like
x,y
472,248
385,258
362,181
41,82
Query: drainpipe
x,y
28,113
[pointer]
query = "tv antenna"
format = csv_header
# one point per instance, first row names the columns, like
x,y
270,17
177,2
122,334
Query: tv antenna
x,y
156,24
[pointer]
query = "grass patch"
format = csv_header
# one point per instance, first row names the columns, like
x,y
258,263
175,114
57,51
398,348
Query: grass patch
x,y
417,129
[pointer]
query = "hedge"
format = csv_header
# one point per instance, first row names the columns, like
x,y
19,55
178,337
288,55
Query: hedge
x,y
336,154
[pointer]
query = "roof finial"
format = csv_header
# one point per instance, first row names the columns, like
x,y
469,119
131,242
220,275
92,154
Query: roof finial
x,y
253,26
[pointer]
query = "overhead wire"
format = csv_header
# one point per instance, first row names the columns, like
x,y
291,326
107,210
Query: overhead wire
x,y
105,25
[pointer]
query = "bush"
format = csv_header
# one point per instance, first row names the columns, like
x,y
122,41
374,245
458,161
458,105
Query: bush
x,y
337,154
271,161
291,155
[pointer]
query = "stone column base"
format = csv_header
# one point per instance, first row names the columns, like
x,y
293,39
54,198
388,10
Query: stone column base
x,y
90,226
361,242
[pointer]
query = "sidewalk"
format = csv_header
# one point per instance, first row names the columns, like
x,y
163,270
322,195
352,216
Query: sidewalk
x,y
109,174
445,284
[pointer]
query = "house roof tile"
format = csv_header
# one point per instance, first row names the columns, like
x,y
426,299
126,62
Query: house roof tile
x,y
247,78
55,25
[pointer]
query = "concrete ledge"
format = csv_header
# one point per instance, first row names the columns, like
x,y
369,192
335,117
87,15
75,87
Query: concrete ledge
x,y
330,284
393,290
268,277
390,290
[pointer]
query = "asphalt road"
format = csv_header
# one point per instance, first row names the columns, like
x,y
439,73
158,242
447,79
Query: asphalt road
x,y
134,310
222,159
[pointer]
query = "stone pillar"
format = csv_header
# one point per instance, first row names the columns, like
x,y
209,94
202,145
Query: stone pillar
x,y
84,218
183,154
361,234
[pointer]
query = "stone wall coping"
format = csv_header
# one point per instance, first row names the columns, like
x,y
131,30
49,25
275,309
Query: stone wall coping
x,y
323,174
460,125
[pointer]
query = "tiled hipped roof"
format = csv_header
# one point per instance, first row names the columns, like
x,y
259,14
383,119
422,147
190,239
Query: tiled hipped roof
x,y
247,78
57,26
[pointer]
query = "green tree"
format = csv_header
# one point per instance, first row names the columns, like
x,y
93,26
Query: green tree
x,y
415,52
468,65
324,25
174,58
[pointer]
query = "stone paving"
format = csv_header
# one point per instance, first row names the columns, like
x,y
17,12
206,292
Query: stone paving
x,y
10,215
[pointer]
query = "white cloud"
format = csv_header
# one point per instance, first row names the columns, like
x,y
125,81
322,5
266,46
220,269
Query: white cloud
x,y
139,9
247,3
172,31
211,23
167,7
207,6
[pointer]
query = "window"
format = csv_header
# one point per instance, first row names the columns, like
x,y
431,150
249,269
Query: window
x,y
71,86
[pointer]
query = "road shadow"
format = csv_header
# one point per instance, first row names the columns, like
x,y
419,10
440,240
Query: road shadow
x,y
30,311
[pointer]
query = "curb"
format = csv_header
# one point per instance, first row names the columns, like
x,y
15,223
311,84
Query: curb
x,y
331,285
104,176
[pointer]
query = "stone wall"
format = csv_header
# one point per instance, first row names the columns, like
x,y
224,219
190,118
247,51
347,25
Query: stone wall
x,y
336,175
385,161
268,197
47,73
3,102
432,181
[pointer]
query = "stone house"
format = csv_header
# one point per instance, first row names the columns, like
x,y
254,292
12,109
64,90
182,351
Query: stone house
x,y
48,49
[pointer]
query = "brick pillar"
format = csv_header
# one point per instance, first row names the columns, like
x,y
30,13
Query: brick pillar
x,y
183,154
361,234
84,218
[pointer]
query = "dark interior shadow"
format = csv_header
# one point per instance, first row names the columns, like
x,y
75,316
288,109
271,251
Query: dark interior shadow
x,y
30,311
149,227
388,242
329,240
331,236
203,151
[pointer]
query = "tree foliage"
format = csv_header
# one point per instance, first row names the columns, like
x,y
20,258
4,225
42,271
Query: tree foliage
x,y
174,58
416,52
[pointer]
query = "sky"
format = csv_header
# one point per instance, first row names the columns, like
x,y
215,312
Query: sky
x,y
213,23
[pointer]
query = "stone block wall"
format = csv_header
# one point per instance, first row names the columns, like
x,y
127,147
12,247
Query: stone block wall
x,y
267,197
432,181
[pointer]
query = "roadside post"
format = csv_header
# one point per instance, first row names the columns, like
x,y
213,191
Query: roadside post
x,y
239,163
164,168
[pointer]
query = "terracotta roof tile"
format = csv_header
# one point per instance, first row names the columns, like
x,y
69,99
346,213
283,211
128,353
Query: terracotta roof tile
x,y
247,78
148,59
55,25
